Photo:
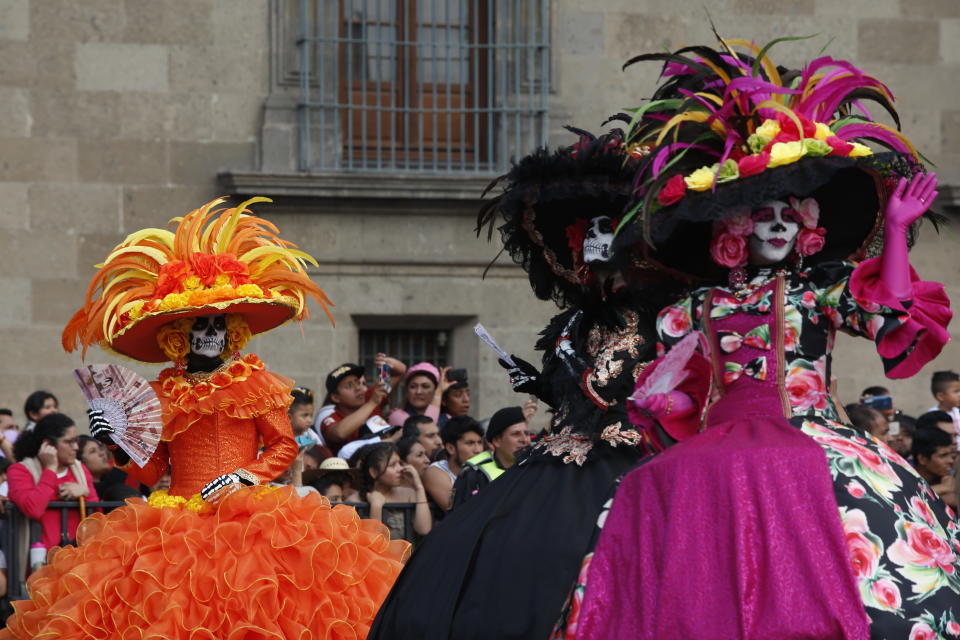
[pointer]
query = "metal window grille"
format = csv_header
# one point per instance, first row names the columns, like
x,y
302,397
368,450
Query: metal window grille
x,y
409,346
436,86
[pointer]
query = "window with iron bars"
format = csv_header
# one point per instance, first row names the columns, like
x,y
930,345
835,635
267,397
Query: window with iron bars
x,y
409,346
437,86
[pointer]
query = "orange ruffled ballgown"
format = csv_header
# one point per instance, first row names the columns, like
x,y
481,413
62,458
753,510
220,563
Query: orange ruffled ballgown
x,y
261,563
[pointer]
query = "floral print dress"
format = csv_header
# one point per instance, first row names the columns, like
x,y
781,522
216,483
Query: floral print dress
x,y
771,347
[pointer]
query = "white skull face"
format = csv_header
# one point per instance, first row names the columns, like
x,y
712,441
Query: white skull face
x,y
599,237
208,336
775,228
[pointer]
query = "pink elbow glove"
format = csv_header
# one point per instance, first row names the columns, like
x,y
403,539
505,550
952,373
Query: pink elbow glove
x,y
907,203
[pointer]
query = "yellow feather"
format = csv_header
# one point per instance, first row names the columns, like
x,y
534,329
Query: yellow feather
x,y
155,254
695,116
223,239
772,74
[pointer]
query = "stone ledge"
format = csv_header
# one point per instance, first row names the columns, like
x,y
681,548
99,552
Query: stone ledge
x,y
356,186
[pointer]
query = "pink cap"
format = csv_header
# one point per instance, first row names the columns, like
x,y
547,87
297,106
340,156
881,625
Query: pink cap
x,y
423,367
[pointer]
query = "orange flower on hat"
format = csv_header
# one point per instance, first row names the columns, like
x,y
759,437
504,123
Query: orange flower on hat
x,y
171,277
237,271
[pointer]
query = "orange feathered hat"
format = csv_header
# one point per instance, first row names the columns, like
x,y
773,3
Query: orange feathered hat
x,y
216,261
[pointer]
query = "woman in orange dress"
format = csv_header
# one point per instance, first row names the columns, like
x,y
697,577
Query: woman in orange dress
x,y
221,554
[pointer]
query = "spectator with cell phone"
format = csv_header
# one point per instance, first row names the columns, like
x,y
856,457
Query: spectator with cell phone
x,y
353,402
424,387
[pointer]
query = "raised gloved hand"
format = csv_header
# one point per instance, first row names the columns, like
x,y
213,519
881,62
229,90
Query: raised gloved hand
x,y
100,427
524,377
222,482
907,203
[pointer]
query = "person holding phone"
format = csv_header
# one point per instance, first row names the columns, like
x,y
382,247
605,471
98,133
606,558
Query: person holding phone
x,y
47,470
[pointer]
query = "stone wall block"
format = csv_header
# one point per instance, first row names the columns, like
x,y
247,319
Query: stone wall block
x,y
75,208
38,255
233,67
630,34
583,33
871,8
16,301
192,163
124,161
14,206
930,8
237,116
61,112
167,22
122,67
15,117
950,129
166,116
56,299
231,18
898,41
14,19
950,41
35,159
73,21
154,205
780,7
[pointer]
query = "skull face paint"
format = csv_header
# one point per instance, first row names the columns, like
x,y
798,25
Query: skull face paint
x,y
597,241
208,336
775,228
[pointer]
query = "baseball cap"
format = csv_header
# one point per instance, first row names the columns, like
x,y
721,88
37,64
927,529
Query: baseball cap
x,y
503,419
341,372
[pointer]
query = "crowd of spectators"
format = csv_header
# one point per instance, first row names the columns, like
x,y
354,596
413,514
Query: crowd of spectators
x,y
400,445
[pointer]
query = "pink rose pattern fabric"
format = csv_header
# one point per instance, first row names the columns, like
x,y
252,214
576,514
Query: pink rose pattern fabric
x,y
903,542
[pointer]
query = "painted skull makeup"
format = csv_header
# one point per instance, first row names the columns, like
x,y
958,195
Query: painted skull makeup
x,y
775,228
597,241
208,336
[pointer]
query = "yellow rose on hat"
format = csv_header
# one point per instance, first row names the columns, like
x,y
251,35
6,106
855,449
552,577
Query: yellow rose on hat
x,y
700,180
860,150
782,153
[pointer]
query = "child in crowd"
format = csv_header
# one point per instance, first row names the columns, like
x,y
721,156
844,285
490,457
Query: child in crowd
x,y
935,455
945,387
301,416
334,479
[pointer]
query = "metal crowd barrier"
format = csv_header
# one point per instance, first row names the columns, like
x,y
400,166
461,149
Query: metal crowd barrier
x,y
17,566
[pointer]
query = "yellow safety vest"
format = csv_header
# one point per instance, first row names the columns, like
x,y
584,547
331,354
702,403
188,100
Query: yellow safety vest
x,y
486,463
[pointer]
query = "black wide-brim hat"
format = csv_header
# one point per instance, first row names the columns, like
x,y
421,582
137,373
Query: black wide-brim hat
x,y
546,193
851,193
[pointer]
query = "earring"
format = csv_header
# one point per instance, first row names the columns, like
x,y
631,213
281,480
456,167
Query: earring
x,y
179,366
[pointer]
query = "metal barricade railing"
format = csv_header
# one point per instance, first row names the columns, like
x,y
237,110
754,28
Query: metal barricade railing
x,y
17,565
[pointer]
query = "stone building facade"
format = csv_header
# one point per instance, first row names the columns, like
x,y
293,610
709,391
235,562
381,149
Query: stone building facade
x,y
120,114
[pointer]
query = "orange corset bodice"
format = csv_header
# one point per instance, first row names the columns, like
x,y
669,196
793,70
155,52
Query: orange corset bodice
x,y
219,425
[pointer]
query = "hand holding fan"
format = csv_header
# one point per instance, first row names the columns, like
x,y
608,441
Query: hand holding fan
x,y
128,402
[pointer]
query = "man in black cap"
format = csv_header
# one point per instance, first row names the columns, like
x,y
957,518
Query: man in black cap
x,y
353,401
507,433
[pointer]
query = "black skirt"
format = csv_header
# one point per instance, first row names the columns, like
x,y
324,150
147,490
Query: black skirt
x,y
501,565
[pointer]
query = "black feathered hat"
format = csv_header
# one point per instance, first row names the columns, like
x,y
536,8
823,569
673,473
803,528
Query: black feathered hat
x,y
547,204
